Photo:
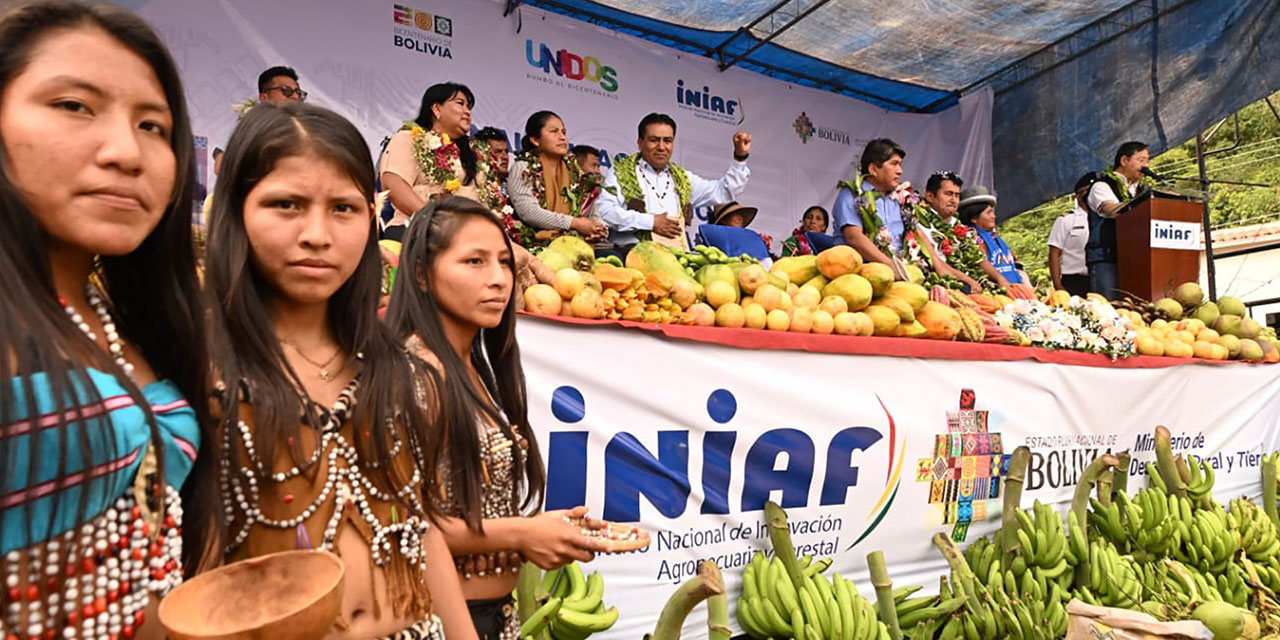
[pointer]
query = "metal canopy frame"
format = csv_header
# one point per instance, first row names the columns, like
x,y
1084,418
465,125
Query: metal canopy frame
x,y
718,52
800,12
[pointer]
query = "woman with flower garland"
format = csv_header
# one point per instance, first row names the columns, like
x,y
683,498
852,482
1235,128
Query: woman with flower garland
x,y
815,220
548,190
95,227
431,156
320,436
455,309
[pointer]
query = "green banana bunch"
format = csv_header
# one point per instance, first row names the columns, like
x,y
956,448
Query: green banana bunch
x,y
772,606
1258,535
1156,529
1200,482
1114,580
1210,544
574,608
1104,519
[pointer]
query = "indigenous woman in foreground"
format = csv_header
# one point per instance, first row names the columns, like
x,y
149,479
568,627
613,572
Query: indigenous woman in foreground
x,y
101,332
454,305
549,192
319,432
815,220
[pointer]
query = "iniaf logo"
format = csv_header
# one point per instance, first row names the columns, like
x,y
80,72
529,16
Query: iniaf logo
x,y
709,106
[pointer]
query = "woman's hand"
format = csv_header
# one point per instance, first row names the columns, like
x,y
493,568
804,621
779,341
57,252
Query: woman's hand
x,y
551,543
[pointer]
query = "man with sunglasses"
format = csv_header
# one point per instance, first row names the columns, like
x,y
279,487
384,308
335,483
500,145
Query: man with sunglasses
x,y
279,85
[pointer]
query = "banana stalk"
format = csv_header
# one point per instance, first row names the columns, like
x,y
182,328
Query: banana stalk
x,y
718,611
1269,488
780,538
1080,505
706,584
1104,485
1166,465
884,593
1120,482
527,590
1013,481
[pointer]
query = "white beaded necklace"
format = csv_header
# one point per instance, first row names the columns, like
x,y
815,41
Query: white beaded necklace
x,y
114,346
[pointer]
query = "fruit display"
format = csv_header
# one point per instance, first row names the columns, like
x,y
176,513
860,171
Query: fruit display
x,y
835,292
563,604
1186,325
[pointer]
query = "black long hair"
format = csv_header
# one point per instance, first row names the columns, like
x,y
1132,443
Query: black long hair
x,y
153,289
440,94
245,348
496,355
533,128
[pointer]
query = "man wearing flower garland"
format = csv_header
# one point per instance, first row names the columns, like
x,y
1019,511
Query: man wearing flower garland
x,y
647,196
1116,187
962,258
867,214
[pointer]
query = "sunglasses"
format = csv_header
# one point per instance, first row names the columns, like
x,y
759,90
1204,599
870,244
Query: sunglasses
x,y
288,92
946,175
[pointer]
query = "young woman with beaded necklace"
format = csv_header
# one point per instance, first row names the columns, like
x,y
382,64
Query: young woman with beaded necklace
x,y
101,331
319,432
453,305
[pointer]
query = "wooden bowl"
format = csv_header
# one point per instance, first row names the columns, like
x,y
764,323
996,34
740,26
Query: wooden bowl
x,y
292,595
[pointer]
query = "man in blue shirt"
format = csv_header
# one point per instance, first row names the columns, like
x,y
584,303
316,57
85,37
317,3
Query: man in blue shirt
x,y
881,167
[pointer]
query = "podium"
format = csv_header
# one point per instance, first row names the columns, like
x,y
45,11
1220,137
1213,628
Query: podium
x,y
1158,242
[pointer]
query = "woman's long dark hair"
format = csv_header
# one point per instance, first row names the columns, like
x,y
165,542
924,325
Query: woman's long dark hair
x,y
440,94
153,290
533,128
245,348
496,355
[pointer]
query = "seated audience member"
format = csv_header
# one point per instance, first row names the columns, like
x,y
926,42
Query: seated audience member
x,y
546,186
588,158
726,229
815,220
499,152
978,210
870,220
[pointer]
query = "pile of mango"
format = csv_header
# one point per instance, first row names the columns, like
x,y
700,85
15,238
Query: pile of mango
x,y
1186,325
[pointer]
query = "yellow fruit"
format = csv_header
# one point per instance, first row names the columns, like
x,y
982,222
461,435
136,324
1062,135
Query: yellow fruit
x,y
778,320
845,324
817,282
854,289
834,305
1159,323
568,282
543,299
769,297
801,320
1191,324
755,316
787,303
1208,335
566,308
730,315
1202,349
940,321
1219,352
839,260
684,293
914,274
1185,336
1150,346
823,323
588,304
792,288
720,293
884,320
1175,348
911,329
746,300
913,294
751,277
807,297
866,327
899,306
702,313
796,269
879,275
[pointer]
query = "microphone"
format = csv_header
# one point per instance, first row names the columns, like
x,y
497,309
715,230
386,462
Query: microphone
x,y
1146,171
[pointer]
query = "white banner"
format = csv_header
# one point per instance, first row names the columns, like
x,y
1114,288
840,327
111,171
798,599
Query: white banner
x,y
866,452
1170,234
371,60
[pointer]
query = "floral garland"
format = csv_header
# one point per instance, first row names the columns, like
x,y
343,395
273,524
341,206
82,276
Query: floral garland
x,y
957,244
1082,325
1145,182
798,243
437,156
624,170
872,225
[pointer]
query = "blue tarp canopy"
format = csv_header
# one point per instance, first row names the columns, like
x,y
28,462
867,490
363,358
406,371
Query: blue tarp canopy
x,y
1072,78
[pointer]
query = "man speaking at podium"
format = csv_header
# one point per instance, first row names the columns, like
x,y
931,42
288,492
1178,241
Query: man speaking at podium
x,y
1115,187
